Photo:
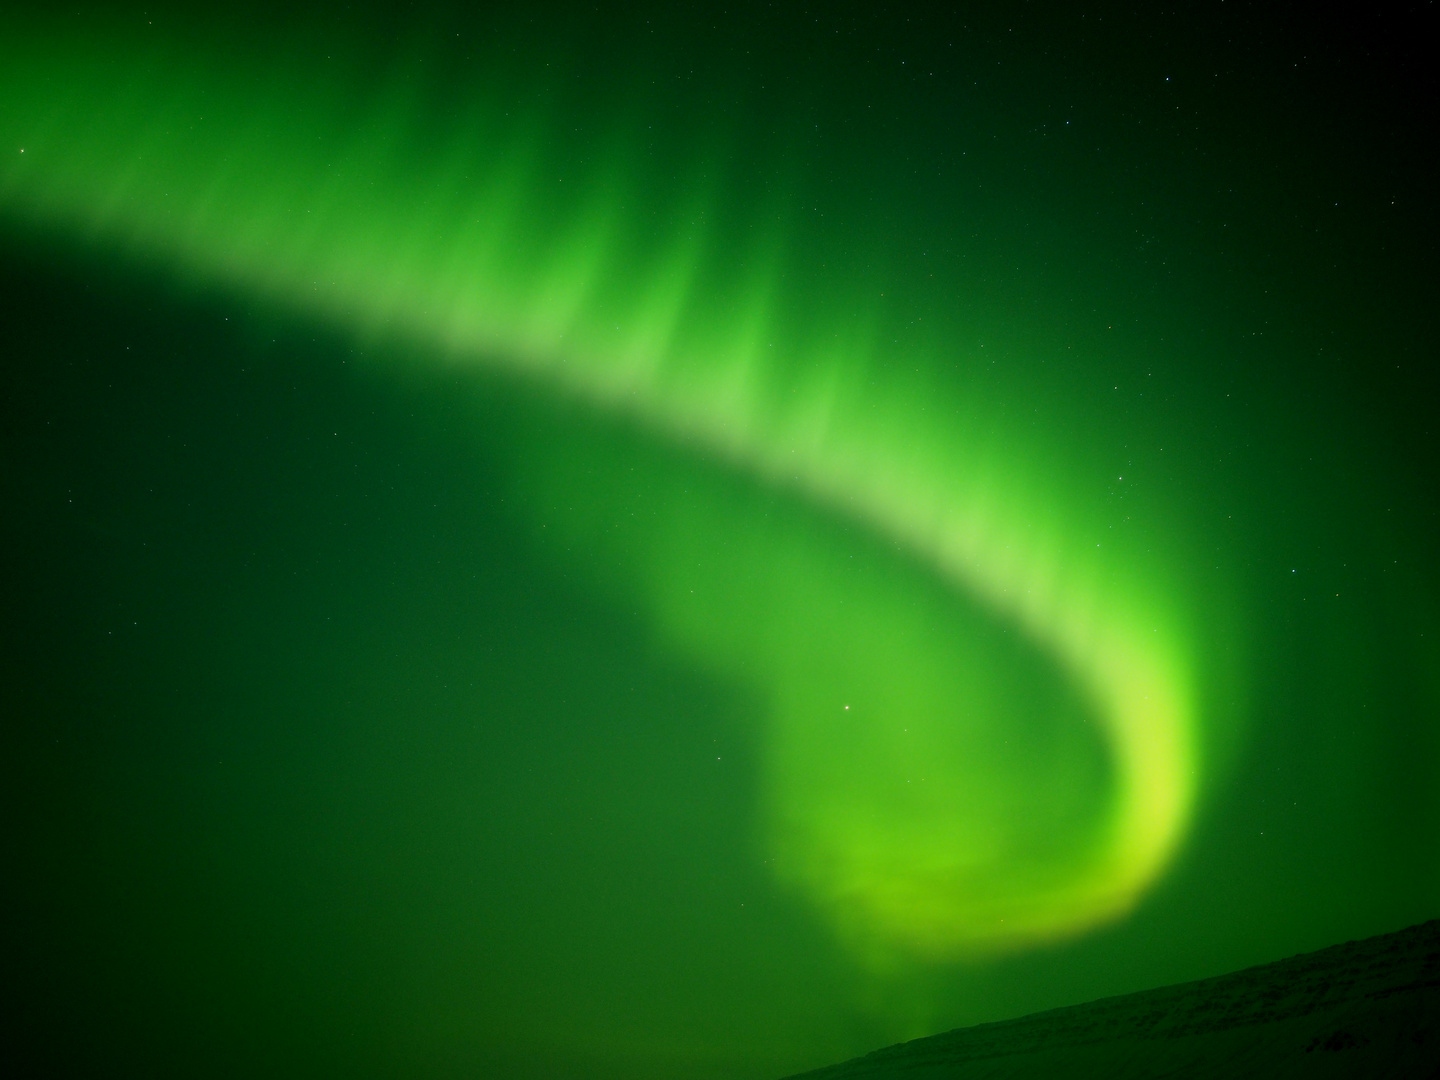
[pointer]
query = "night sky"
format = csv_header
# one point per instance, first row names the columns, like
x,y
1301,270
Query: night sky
x,y
564,542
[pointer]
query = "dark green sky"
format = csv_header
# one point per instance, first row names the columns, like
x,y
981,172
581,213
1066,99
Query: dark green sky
x,y
587,543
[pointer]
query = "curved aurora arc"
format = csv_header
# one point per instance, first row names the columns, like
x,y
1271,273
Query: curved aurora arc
x,y
269,186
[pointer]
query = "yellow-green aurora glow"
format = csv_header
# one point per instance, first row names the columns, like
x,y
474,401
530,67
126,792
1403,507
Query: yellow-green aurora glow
x,y
924,802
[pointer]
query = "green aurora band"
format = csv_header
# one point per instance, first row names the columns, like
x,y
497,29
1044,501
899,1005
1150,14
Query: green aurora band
x,y
650,294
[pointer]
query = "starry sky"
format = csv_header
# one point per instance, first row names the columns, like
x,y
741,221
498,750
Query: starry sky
x,y
589,542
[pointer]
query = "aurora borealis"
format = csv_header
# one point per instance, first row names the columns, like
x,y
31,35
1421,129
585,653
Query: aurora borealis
x,y
919,404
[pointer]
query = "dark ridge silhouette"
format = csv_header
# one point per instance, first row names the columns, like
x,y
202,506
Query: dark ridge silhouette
x,y
1365,1008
